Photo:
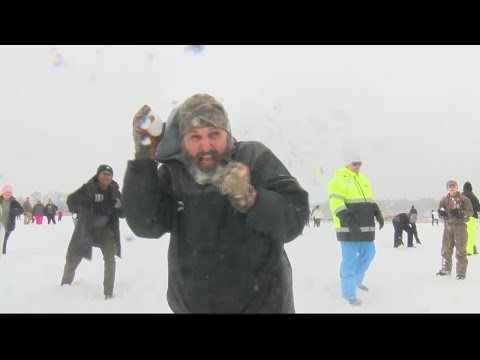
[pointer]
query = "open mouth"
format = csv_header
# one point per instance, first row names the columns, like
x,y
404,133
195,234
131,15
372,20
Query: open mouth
x,y
207,162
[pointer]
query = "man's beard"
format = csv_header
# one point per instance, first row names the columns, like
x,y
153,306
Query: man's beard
x,y
203,177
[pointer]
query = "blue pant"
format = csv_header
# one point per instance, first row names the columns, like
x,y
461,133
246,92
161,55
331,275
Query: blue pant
x,y
356,258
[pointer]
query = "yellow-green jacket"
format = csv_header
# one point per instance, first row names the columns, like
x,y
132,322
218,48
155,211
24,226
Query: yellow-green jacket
x,y
352,206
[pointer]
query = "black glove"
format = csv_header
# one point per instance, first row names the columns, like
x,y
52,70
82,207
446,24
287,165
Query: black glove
x,y
458,213
355,232
346,218
380,220
442,212
98,198
378,215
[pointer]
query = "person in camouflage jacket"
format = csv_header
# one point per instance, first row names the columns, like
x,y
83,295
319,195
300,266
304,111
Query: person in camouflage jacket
x,y
456,209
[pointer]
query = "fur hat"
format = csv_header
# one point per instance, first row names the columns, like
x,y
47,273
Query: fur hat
x,y
7,188
104,168
202,110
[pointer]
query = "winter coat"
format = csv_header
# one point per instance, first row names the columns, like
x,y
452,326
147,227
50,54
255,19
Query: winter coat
x,y
27,206
38,209
51,209
458,201
15,209
475,203
219,260
82,203
352,192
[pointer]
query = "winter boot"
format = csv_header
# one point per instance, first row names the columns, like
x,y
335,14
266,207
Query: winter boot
x,y
443,272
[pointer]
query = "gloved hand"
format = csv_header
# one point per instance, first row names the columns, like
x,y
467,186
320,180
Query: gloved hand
x,y
118,203
381,220
458,213
355,232
98,198
347,219
378,215
235,183
147,132
442,212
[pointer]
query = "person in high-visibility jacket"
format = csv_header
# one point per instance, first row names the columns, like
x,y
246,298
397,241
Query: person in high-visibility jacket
x,y
472,222
353,209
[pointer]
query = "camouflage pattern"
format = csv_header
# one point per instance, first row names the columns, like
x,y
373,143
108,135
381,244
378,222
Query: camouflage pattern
x,y
455,232
202,110
146,150
235,183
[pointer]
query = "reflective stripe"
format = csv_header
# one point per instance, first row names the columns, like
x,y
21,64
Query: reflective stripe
x,y
340,209
363,229
356,201
336,196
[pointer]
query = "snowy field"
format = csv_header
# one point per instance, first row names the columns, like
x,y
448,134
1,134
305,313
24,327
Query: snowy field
x,y
400,280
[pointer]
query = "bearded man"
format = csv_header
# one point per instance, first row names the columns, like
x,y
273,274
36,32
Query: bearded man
x,y
229,207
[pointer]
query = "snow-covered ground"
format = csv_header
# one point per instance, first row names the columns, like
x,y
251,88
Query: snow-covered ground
x,y
400,280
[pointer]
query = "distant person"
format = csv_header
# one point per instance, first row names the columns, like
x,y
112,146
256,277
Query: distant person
x,y
434,217
404,222
27,215
38,212
413,211
456,210
354,210
472,223
50,211
316,221
413,215
98,206
9,209
59,214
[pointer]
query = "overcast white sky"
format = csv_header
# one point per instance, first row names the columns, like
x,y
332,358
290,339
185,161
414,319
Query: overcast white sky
x,y
411,111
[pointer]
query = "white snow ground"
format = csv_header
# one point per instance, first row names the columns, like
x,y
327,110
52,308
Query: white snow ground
x,y
400,280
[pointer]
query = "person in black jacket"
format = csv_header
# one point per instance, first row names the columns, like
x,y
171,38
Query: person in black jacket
x,y
229,208
413,216
404,222
98,207
472,223
9,209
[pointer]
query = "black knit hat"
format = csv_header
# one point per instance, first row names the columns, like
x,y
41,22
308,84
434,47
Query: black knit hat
x,y
467,186
104,168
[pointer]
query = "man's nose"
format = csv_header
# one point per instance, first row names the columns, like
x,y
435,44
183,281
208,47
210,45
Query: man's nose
x,y
205,145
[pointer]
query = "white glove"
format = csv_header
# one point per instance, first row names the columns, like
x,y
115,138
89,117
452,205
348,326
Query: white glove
x,y
118,203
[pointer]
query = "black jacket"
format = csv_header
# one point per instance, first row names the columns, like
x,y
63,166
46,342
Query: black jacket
x,y
82,202
15,209
220,260
474,200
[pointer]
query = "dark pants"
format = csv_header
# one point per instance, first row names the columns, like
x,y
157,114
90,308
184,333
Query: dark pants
x,y
103,238
5,239
51,217
397,237
433,221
